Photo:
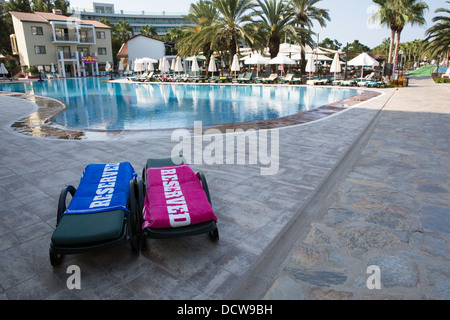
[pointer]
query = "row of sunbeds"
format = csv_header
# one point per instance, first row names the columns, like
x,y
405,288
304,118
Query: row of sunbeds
x,y
368,81
248,77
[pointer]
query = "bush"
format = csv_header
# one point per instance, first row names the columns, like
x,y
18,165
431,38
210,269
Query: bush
x,y
441,80
32,70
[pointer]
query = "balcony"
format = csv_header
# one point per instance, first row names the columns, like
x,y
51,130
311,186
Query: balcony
x,y
65,38
67,55
85,40
70,38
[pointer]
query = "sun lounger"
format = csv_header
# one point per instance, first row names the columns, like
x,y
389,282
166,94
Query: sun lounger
x,y
286,79
219,79
348,83
174,201
248,78
239,77
322,81
197,79
270,79
376,83
297,79
98,215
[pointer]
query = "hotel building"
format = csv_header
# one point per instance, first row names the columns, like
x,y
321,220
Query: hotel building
x,y
161,21
69,45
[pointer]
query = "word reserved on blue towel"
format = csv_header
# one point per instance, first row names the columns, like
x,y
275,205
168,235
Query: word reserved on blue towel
x,y
103,187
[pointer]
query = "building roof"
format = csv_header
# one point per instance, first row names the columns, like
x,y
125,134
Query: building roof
x,y
47,17
123,52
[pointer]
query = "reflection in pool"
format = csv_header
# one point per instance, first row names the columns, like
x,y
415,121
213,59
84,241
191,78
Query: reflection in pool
x,y
95,104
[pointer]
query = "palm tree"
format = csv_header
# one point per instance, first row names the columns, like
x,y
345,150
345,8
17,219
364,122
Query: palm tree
x,y
306,13
386,16
148,31
439,34
275,22
229,28
410,12
198,35
396,14
123,31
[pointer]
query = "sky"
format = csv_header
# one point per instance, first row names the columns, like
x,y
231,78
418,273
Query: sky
x,y
349,18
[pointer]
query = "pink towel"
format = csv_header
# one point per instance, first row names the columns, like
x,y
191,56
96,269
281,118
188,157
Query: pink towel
x,y
175,198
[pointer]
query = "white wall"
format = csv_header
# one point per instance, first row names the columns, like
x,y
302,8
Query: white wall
x,y
141,47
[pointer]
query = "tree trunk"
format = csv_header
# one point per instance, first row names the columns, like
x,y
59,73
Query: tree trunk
x,y
303,58
233,50
274,48
399,31
391,47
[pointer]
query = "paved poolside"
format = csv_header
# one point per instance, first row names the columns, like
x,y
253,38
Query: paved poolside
x,y
391,209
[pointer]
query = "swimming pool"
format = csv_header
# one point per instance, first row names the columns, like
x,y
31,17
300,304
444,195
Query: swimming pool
x,y
99,105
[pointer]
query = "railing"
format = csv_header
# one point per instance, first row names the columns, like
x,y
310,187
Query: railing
x,y
71,38
67,55
87,40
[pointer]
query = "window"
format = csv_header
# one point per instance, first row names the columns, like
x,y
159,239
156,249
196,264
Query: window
x,y
39,50
101,35
37,31
101,51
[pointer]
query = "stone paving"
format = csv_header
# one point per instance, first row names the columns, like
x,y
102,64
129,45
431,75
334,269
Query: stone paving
x,y
391,211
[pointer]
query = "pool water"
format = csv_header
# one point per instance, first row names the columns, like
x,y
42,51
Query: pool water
x,y
96,104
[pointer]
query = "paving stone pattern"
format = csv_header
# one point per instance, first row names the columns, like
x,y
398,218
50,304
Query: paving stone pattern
x,y
392,211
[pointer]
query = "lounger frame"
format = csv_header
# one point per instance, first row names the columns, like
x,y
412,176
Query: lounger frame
x,y
209,227
130,232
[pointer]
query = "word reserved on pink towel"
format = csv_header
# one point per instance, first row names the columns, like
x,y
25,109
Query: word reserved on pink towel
x,y
175,198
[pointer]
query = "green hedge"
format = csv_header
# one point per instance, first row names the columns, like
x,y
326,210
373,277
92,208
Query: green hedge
x,y
441,80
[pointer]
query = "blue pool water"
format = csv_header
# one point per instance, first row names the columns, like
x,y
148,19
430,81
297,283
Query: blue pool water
x,y
95,104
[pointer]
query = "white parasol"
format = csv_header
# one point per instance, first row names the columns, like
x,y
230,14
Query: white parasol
x,y
310,65
235,65
363,60
336,65
194,66
212,65
178,65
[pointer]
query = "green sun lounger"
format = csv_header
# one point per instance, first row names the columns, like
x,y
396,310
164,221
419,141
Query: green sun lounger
x,y
139,194
97,216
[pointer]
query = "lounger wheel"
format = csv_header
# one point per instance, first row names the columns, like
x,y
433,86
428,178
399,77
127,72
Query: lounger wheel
x,y
214,234
55,259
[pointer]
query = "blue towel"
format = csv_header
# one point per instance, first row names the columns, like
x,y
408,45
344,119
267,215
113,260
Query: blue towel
x,y
103,187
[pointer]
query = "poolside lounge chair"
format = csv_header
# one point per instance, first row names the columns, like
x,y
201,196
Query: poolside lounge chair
x,y
173,201
287,78
196,79
219,79
347,83
377,83
240,77
138,77
363,81
297,79
248,78
321,81
270,79
98,213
